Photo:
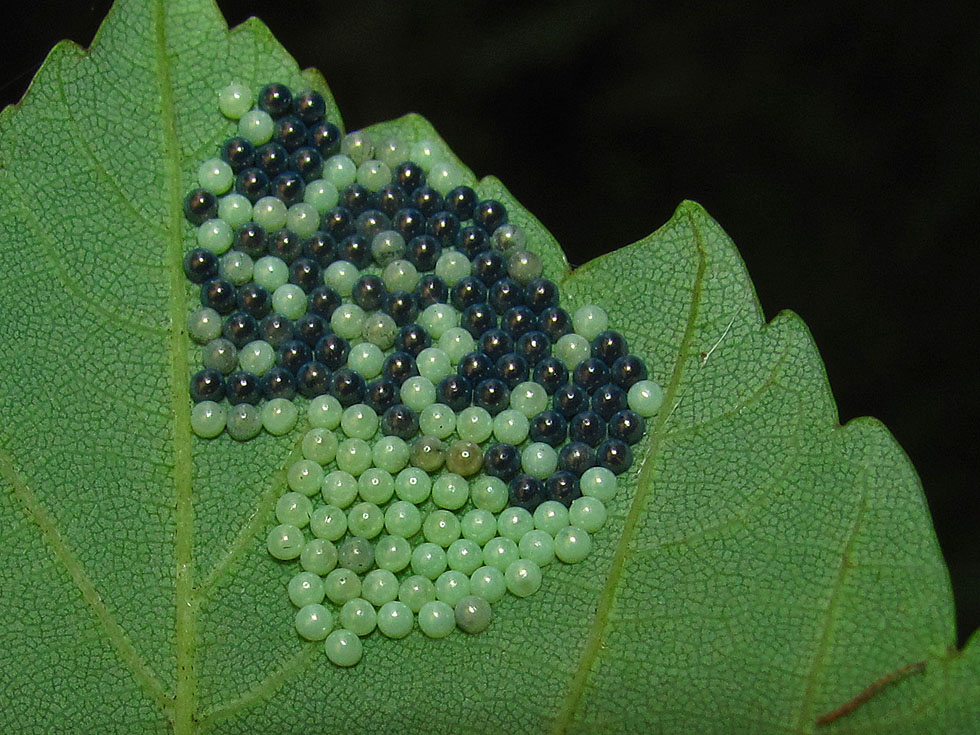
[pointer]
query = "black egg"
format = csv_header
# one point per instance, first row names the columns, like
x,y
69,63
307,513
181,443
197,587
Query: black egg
x,y
285,245
408,222
399,367
313,379
276,329
628,370
338,223
348,387
576,457
615,455
242,387
200,265
489,266
272,158
503,461
541,294
590,374
549,427
476,367
356,198
550,372
276,99
219,294
401,421
512,369
372,221
506,294
355,249
238,153
473,240
381,395
587,427
468,291
325,138
310,107
321,248
278,383
444,227
289,187
627,426
460,201
533,346
323,301
555,322
240,329
489,214
426,199
401,306
390,198
412,338
332,350
563,486
519,320
207,385
200,205
609,346
254,300
252,183
478,318
369,292
454,391
250,238
310,328
293,354
290,132
608,399
526,491
409,176
431,290
570,399
495,343
305,273
423,251
492,395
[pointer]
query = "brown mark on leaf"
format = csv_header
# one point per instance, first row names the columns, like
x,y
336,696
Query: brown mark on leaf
x,y
848,707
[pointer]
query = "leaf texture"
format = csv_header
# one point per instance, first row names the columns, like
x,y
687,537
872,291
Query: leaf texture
x,y
762,565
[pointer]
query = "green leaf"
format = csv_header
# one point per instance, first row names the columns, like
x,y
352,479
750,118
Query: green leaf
x,y
762,565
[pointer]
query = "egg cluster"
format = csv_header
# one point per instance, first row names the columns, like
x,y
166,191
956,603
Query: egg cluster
x,y
466,430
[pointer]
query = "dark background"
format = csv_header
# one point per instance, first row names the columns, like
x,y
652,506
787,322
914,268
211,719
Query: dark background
x,y
837,146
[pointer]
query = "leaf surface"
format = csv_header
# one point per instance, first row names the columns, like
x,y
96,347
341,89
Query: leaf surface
x,y
762,564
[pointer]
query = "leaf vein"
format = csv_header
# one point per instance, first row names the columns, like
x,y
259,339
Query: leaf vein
x,y
256,521
113,630
77,293
593,644
826,625
185,605
101,170
264,689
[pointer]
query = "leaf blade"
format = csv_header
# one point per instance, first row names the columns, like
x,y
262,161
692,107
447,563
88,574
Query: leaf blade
x,y
108,485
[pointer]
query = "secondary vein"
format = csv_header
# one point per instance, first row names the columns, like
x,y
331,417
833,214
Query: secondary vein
x,y
114,632
829,618
265,688
593,643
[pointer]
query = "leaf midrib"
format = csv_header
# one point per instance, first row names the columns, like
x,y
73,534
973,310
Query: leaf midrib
x,y
186,605
593,642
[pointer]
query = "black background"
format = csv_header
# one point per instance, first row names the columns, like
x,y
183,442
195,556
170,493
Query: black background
x,y
838,146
